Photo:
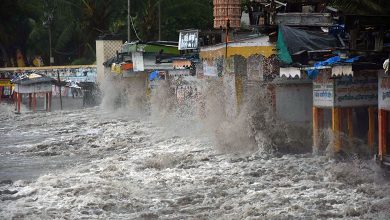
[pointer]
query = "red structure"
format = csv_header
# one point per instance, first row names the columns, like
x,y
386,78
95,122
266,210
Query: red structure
x,y
33,85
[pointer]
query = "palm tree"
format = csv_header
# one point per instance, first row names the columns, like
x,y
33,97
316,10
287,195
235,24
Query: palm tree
x,y
76,24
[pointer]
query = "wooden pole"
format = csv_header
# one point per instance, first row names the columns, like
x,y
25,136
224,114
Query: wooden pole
x,y
19,101
49,102
159,20
1,92
371,128
30,100
350,125
34,104
383,126
336,129
128,21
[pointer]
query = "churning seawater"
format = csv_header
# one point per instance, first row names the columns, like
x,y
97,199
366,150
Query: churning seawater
x,y
96,164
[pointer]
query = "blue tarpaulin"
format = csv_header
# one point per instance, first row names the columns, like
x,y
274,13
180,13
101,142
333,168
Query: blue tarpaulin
x,y
153,75
312,73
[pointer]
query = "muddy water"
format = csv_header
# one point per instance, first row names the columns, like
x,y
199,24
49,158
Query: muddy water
x,y
92,164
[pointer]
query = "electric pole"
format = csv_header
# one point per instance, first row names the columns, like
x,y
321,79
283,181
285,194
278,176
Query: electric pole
x,y
128,22
159,20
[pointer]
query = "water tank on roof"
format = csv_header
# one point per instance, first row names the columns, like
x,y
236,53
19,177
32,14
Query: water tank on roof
x,y
227,9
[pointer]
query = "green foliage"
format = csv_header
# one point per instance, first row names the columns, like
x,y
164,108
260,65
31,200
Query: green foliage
x,y
76,24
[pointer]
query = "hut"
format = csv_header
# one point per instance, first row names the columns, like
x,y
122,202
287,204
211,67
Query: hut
x,y
32,85
348,93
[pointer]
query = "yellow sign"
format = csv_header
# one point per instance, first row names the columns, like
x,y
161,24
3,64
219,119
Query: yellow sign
x,y
5,82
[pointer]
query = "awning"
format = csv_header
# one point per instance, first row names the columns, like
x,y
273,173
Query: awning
x,y
290,72
342,70
33,78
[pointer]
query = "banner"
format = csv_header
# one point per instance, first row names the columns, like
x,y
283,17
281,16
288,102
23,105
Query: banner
x,y
138,61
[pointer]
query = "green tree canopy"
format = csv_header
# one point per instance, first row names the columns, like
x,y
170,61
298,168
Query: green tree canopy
x,y
76,24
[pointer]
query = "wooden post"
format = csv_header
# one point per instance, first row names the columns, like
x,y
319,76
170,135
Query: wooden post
x,y
383,126
316,127
336,129
49,101
350,125
30,100
1,92
34,104
46,101
19,101
371,128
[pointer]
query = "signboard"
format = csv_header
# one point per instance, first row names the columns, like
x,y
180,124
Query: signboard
x,y
356,91
188,40
323,89
346,91
384,92
34,88
138,61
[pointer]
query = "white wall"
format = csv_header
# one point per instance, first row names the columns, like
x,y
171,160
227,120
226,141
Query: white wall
x,y
294,102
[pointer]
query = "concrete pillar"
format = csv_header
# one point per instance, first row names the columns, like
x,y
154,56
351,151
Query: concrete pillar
x,y
105,49
239,90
